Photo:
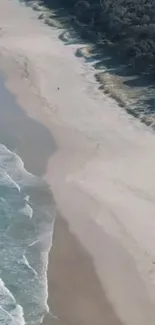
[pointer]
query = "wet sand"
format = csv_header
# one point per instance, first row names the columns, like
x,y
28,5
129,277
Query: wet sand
x,y
75,292
74,285
99,164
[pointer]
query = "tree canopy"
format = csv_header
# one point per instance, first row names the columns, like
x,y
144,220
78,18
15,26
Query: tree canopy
x,y
128,24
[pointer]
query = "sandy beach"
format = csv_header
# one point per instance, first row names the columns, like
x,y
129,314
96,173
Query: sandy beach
x,y
99,163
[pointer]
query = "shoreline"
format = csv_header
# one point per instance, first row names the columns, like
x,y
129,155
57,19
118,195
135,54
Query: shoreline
x,y
75,293
74,285
93,141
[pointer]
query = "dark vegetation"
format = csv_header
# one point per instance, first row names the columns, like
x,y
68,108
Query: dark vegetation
x,y
122,38
129,25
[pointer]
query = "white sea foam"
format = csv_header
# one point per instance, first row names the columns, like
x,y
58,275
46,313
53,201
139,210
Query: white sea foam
x,y
10,312
26,232
27,210
14,166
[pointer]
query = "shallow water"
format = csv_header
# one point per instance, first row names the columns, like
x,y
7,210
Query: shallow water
x,y
25,252
26,230
27,213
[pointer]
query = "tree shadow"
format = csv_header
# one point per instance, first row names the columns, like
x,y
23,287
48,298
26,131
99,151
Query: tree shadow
x,y
70,37
101,54
149,105
139,81
104,54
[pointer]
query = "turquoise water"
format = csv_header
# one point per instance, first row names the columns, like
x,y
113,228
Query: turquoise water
x,y
27,213
26,230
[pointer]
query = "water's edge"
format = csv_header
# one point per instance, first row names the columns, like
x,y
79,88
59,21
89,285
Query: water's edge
x,y
27,214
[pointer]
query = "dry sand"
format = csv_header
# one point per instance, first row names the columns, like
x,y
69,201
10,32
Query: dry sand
x,y
101,174
75,292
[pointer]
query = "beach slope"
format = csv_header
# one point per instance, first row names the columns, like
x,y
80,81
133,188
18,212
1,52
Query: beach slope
x,y
101,173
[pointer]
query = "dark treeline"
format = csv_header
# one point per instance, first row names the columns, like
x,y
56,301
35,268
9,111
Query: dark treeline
x,y
128,24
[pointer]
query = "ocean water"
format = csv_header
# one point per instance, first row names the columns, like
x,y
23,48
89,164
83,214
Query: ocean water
x,y
26,229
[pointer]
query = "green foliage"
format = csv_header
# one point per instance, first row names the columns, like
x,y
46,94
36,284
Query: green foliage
x,y
128,24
